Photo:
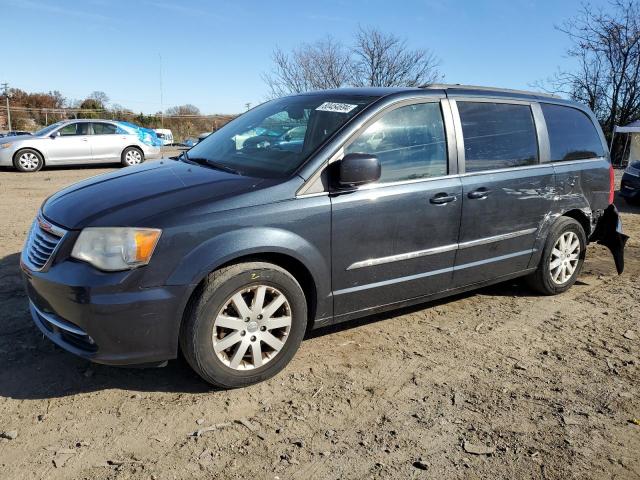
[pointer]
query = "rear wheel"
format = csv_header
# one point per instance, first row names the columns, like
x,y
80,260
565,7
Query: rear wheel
x,y
28,160
132,156
633,201
245,326
562,257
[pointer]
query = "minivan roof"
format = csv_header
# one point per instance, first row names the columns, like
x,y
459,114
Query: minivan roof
x,y
455,89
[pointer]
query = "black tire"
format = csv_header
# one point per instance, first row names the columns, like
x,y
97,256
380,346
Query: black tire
x,y
24,159
634,202
196,335
541,280
131,156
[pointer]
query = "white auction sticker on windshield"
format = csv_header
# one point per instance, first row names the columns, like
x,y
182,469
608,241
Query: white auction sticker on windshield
x,y
336,107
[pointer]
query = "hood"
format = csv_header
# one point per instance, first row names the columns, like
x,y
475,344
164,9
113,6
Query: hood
x,y
129,196
14,138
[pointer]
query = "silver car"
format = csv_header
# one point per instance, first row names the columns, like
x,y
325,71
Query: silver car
x,y
77,142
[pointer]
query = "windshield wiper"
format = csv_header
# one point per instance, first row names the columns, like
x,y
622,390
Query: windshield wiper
x,y
205,162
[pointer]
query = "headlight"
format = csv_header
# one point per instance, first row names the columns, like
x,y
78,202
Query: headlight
x,y
5,145
116,248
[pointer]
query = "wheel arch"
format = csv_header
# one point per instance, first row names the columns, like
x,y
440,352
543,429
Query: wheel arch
x,y
289,263
581,215
15,154
279,247
137,147
582,218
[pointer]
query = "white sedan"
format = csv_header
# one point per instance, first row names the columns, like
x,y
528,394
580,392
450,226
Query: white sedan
x,y
80,142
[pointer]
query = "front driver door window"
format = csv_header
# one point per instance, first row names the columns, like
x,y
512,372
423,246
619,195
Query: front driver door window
x,y
408,141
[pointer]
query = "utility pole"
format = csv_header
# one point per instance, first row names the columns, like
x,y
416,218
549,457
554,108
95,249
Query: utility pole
x,y
161,99
6,94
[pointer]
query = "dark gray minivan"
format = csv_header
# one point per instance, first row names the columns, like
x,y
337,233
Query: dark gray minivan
x,y
383,198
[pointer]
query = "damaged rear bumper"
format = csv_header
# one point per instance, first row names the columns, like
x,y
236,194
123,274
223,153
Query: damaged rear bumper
x,y
608,232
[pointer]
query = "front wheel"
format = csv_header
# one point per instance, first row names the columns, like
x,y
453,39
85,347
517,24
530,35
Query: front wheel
x,y
245,326
562,258
132,156
28,160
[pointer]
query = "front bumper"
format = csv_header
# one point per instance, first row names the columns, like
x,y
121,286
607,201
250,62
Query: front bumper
x,y
105,317
630,186
6,156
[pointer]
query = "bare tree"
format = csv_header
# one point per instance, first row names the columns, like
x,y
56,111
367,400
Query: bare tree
x,y
320,65
377,59
187,109
100,97
606,46
384,60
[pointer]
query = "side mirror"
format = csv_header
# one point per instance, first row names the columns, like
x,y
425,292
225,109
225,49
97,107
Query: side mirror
x,y
55,134
357,169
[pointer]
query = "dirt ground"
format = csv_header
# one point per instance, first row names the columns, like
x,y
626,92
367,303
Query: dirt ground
x,y
494,384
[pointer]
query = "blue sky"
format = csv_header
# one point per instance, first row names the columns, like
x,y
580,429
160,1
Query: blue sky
x,y
213,52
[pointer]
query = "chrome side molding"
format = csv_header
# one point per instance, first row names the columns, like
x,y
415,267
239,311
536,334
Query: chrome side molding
x,y
371,262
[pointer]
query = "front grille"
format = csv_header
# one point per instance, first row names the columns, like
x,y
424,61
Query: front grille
x,y
42,242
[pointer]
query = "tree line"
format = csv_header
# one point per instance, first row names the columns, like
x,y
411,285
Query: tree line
x,y
30,111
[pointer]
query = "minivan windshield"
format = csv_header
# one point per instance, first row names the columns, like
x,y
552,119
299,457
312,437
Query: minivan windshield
x,y
275,138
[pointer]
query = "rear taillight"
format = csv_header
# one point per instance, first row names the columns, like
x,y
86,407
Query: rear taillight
x,y
612,189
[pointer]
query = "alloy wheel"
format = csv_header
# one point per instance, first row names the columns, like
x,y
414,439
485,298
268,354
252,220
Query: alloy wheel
x,y
133,157
565,256
252,327
29,161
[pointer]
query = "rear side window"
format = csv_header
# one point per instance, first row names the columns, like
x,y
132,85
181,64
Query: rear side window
x,y
409,142
497,135
572,134
104,129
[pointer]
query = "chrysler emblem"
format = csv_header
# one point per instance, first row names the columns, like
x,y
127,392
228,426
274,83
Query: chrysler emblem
x,y
44,225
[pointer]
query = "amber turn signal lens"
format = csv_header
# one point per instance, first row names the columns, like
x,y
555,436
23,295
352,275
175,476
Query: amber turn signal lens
x,y
145,244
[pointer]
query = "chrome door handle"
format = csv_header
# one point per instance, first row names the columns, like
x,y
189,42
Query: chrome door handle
x,y
479,193
441,198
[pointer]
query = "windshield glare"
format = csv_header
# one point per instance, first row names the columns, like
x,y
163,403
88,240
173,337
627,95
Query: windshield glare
x,y
274,139
47,130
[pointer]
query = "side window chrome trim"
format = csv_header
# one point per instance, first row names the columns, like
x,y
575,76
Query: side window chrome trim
x,y
580,160
459,175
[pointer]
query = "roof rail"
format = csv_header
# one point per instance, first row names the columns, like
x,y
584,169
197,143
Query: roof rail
x,y
459,86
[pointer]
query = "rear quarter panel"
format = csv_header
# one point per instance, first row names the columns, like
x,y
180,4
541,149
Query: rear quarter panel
x,y
582,184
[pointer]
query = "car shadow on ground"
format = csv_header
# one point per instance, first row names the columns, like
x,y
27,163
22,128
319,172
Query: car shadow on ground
x,y
35,368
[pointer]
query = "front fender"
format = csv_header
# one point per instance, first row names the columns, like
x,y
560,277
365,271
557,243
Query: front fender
x,y
229,246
